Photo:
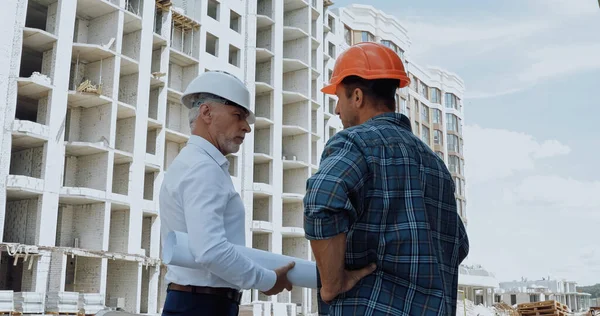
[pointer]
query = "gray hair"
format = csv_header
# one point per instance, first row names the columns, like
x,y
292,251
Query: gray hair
x,y
197,101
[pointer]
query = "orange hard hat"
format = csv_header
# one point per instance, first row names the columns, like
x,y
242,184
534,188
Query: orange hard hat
x,y
367,60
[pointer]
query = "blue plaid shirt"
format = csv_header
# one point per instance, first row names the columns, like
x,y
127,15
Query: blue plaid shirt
x,y
394,197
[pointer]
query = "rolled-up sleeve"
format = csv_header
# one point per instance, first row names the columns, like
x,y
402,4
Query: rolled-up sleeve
x,y
205,199
328,208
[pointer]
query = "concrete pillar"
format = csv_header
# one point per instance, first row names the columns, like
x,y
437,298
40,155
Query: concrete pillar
x,y
247,151
53,168
12,17
42,271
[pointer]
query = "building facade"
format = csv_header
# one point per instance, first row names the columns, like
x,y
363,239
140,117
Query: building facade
x,y
530,291
91,121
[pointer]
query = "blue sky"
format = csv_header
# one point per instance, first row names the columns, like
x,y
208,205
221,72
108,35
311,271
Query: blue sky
x,y
532,73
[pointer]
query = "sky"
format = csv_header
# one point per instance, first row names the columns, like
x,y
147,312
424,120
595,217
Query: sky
x,y
532,75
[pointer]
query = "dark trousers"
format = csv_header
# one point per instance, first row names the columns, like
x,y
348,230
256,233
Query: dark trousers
x,y
186,303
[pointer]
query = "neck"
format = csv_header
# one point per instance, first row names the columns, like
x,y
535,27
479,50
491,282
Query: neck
x,y
372,111
203,132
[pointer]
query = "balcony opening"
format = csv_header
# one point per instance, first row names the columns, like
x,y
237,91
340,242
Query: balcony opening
x,y
18,274
122,285
212,44
177,118
235,21
262,172
27,157
21,220
264,106
262,209
132,45
234,56
149,181
42,16
91,77
264,72
293,215
120,181
172,149
213,9
294,181
151,137
185,38
32,107
37,64
80,225
85,167
83,274
119,230
91,125
125,134
134,6
98,30
265,8
181,76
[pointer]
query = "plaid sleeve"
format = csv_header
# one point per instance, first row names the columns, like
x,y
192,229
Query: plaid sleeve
x,y
328,210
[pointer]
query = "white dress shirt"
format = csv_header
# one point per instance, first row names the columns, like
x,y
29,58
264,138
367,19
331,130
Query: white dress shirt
x,y
197,196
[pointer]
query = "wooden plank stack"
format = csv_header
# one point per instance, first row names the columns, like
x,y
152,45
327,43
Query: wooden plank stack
x,y
545,308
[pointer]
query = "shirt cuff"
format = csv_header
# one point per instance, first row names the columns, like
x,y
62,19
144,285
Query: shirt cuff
x,y
267,281
325,228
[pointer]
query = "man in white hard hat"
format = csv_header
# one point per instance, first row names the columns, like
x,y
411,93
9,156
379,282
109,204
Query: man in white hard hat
x,y
198,197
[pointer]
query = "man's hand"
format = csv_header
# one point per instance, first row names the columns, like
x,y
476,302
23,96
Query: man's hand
x,y
349,280
282,280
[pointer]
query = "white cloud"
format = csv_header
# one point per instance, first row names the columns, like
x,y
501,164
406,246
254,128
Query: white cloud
x,y
557,60
567,8
518,48
519,217
560,192
494,154
429,37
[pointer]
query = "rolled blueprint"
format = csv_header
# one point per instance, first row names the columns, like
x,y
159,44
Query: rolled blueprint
x,y
304,274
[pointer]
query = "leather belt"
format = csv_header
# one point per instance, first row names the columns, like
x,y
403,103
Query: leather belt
x,y
229,293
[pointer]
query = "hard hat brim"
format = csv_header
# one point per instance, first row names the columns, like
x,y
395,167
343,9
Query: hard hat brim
x,y
329,89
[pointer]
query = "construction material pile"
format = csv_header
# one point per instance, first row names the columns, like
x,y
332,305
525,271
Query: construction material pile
x,y
468,308
505,309
545,308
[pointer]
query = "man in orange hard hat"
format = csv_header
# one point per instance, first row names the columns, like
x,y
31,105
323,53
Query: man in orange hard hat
x,y
380,213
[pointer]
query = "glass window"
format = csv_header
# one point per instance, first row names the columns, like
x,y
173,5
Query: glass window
x,y
438,137
424,113
453,143
416,106
451,101
425,136
367,36
403,108
440,154
414,83
348,35
424,90
331,23
437,116
454,164
458,186
451,122
436,95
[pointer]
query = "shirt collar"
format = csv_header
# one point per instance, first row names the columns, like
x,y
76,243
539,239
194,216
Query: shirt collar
x,y
395,118
210,149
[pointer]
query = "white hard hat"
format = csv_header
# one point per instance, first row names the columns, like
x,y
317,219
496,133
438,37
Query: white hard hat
x,y
221,84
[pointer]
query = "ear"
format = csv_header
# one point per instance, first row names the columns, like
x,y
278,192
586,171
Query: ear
x,y
358,98
205,113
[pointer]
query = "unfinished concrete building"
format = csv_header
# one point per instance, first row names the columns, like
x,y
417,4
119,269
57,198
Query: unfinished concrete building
x,y
91,121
